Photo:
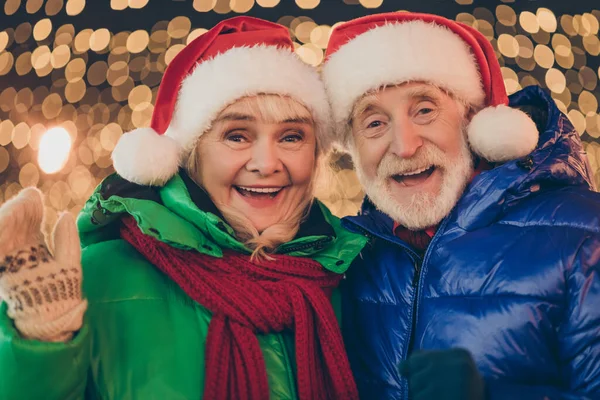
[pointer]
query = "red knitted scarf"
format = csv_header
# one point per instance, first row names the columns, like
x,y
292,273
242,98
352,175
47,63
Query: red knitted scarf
x,y
246,298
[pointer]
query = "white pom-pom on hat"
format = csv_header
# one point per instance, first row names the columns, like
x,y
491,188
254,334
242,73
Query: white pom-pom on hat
x,y
501,133
144,157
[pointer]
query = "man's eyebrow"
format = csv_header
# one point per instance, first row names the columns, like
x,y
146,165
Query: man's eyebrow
x,y
234,116
423,93
365,106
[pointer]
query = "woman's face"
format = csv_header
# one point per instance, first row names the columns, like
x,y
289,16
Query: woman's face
x,y
259,158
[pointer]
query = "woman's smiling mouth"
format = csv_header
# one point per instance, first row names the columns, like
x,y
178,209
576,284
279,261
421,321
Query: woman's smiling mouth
x,y
259,192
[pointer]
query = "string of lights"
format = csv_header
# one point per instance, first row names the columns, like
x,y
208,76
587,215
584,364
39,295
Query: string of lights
x,y
73,80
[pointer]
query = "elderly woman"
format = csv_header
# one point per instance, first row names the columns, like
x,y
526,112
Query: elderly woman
x,y
209,269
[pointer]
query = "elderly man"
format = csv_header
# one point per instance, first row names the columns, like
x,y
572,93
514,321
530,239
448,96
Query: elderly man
x,y
485,235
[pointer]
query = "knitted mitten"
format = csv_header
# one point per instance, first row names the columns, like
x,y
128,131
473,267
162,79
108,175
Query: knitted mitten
x,y
443,375
43,293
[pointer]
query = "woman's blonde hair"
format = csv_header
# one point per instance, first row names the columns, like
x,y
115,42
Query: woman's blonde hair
x,y
269,108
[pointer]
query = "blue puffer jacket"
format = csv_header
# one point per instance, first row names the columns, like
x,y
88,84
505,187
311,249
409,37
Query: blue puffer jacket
x,y
512,275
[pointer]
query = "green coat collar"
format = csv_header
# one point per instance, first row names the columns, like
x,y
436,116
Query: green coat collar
x,y
170,215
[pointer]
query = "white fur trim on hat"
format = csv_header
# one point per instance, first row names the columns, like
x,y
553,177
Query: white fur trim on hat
x,y
400,52
145,157
502,133
245,71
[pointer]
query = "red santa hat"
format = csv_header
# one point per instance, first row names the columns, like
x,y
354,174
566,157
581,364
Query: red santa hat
x,y
389,49
239,57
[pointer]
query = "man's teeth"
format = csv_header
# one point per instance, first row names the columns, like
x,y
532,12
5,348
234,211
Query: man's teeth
x,y
415,172
260,190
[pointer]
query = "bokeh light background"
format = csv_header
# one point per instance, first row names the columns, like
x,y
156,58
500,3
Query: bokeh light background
x,y
94,69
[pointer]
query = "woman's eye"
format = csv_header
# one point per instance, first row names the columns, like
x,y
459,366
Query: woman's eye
x,y
235,137
374,124
292,138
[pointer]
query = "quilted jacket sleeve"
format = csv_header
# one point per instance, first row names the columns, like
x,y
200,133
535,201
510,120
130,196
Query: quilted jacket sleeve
x,y
579,336
40,370
502,391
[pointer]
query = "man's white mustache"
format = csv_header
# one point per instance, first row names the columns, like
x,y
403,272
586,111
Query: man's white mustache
x,y
425,158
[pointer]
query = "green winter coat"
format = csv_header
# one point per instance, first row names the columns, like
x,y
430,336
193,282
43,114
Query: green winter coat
x,y
143,337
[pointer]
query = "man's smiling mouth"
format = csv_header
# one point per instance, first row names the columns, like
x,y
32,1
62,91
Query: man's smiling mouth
x,y
415,177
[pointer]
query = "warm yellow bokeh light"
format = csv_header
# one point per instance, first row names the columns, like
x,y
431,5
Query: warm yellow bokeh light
x,y
373,3
172,52
103,83
137,41
60,56
118,5
204,5
546,19
3,40
508,45
320,36
33,6
241,6
529,22
99,39
267,3
543,56
6,62
511,80
137,4
54,149
74,7
42,29
195,34
506,15
307,4
11,6
179,27
555,80
310,54
40,57
578,121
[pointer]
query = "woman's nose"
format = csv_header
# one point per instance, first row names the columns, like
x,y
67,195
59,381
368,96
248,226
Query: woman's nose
x,y
265,159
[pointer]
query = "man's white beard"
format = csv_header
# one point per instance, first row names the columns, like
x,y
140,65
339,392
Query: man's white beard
x,y
422,210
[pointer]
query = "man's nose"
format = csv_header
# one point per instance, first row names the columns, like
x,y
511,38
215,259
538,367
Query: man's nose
x,y
406,139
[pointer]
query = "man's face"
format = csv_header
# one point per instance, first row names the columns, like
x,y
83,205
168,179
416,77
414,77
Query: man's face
x,y
410,152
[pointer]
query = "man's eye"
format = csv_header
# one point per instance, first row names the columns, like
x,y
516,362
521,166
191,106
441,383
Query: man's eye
x,y
425,111
375,124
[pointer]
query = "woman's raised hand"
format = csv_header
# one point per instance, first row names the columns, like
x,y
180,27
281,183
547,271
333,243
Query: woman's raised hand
x,y
42,291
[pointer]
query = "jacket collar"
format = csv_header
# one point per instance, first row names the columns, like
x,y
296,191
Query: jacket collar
x,y
173,215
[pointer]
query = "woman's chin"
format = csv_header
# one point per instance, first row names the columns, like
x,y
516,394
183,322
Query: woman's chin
x,y
265,211
260,217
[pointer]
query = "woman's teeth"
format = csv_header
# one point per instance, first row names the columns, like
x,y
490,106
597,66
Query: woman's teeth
x,y
252,191
260,190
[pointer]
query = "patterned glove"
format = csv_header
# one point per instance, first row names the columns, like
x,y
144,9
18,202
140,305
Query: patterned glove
x,y
43,293
443,375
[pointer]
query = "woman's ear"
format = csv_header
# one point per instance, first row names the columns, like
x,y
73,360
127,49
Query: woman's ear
x,y
192,165
469,113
